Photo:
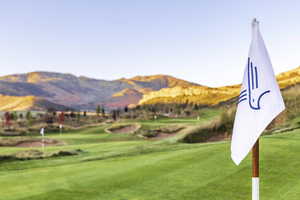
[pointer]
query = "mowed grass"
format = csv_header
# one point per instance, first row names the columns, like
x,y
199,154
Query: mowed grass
x,y
124,167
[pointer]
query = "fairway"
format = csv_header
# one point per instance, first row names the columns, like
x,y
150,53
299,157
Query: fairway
x,y
125,167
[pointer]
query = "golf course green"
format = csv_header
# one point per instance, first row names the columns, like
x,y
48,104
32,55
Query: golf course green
x,y
127,167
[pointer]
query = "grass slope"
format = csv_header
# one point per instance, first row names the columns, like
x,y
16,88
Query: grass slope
x,y
123,167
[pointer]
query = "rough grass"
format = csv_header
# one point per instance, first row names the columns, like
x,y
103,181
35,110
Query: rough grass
x,y
155,131
221,126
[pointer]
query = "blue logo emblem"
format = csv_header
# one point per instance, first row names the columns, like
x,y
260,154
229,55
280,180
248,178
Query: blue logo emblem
x,y
252,93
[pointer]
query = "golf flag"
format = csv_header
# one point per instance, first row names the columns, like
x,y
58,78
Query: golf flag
x,y
42,131
260,100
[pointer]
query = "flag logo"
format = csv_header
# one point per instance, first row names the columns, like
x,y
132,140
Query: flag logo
x,y
253,93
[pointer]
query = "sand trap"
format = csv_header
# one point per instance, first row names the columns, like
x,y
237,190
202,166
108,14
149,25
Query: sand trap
x,y
34,154
46,142
30,142
127,128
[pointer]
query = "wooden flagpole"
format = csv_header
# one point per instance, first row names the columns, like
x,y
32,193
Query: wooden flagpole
x,y
255,171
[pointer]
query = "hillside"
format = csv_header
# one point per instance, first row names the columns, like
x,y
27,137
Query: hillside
x,y
64,89
83,92
86,93
157,82
196,94
210,96
15,103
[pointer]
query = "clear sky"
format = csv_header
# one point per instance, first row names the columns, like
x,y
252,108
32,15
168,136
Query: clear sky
x,y
201,41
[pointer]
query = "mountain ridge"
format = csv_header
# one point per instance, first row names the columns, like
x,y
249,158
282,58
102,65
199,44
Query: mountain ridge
x,y
211,95
82,92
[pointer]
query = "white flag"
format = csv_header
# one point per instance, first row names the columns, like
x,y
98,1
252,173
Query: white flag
x,y
260,100
42,131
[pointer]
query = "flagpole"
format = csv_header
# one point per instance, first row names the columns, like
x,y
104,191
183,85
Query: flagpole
x,y
259,102
255,171
43,143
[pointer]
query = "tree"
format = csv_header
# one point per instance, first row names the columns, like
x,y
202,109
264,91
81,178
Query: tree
x,y
21,116
118,113
78,115
196,107
103,111
14,115
114,115
72,114
61,117
7,117
98,110
28,115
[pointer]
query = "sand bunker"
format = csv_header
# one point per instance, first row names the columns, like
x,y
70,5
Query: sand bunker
x,y
12,133
39,143
34,154
123,128
30,142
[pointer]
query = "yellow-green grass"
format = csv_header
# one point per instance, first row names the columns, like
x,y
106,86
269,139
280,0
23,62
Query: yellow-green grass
x,y
119,167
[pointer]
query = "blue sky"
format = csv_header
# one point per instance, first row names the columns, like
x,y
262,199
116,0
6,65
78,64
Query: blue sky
x,y
201,41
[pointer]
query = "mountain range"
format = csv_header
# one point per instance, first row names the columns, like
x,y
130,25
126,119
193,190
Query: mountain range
x,y
41,90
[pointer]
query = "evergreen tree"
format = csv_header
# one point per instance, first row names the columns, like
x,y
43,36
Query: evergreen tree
x,y
72,114
21,116
114,115
14,115
98,110
78,115
103,111
28,115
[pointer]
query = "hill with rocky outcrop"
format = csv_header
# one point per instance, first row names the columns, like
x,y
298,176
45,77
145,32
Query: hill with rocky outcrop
x,y
83,92
210,96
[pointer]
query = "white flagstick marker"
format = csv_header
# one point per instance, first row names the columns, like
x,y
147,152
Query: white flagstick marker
x,y
60,128
255,171
259,102
42,132
255,188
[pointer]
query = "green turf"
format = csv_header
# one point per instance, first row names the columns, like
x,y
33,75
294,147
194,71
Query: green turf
x,y
124,167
